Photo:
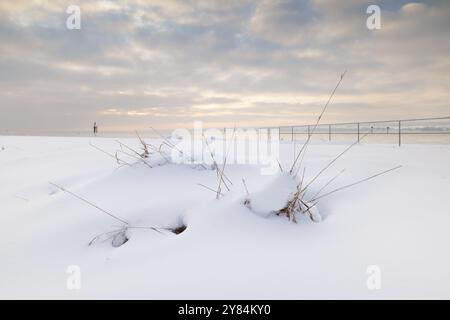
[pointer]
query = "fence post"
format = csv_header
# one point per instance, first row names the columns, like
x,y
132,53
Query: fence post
x,y
279,133
399,133
358,132
292,129
329,132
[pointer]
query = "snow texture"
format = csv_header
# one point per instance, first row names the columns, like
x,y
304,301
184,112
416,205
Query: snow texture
x,y
399,222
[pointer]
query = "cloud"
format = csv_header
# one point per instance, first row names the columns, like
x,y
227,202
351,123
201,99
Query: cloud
x,y
248,62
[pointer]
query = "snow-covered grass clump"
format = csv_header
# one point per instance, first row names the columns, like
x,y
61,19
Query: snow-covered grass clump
x,y
281,197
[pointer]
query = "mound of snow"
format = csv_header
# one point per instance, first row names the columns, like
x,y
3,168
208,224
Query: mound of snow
x,y
274,196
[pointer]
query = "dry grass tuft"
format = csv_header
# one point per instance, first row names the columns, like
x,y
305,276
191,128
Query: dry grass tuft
x,y
297,203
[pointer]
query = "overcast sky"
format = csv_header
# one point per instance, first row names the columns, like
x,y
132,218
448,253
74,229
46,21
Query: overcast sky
x,y
166,63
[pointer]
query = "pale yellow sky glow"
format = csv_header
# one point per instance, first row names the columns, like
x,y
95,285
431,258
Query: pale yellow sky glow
x,y
135,64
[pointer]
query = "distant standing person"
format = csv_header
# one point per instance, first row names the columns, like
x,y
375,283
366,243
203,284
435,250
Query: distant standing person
x,y
95,128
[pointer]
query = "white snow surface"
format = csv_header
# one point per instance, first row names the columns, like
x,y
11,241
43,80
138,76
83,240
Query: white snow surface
x,y
399,222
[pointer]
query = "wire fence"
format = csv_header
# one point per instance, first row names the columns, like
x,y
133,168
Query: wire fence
x,y
425,130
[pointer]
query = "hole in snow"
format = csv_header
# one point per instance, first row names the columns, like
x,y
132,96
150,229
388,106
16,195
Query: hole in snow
x,y
179,229
119,239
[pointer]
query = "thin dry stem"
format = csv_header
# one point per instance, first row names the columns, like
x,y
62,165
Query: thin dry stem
x,y
317,123
354,183
245,186
333,161
219,188
328,183
89,203
208,188
119,161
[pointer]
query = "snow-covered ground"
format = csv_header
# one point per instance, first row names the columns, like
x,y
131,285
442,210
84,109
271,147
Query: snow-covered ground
x,y
399,222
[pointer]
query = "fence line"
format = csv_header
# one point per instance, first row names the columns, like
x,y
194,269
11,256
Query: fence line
x,y
397,127
369,122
